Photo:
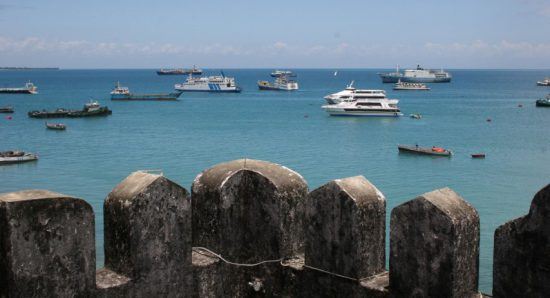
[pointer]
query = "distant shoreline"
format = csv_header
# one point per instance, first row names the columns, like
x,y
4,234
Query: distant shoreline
x,y
29,68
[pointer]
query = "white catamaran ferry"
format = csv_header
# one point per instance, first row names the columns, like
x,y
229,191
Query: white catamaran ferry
x,y
208,84
361,102
351,92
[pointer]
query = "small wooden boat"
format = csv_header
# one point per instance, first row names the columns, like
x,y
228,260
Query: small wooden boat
x,y
7,110
478,155
56,126
9,157
436,151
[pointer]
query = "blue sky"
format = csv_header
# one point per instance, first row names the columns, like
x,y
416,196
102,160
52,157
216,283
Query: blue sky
x,y
363,34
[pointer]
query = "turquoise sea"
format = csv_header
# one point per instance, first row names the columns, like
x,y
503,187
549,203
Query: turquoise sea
x,y
185,137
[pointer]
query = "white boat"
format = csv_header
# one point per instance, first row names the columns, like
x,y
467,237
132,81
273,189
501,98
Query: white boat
x,y
352,92
545,82
410,86
281,83
370,103
278,73
421,75
208,84
9,157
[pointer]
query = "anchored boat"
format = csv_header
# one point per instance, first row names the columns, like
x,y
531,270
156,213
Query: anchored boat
x,y
544,102
281,83
545,82
123,93
418,75
410,86
29,88
91,109
10,157
278,73
56,126
208,84
6,110
179,71
436,151
351,93
364,106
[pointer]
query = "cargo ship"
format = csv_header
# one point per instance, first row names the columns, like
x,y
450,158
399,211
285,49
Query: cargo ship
x,y
90,109
29,88
123,93
179,71
418,75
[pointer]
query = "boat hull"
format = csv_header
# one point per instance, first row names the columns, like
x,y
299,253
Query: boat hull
x,y
19,159
103,111
17,91
337,111
423,151
141,97
425,79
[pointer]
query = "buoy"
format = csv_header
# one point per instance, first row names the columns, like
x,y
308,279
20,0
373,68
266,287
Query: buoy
x,y
9,117
306,116
489,120
520,106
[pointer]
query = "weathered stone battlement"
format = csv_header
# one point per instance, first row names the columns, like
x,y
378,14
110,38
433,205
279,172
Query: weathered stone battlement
x,y
250,228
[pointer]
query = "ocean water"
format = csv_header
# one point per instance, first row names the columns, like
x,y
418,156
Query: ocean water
x,y
183,138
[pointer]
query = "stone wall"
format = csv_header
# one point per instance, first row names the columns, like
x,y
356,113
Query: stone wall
x,y
251,228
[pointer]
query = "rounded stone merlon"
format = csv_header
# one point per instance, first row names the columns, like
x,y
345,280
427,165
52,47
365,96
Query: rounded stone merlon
x,y
360,190
32,194
282,177
449,203
134,184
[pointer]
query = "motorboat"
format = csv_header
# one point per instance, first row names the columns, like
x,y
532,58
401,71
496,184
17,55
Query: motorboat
x,y
10,157
410,86
436,151
56,126
352,92
545,82
358,105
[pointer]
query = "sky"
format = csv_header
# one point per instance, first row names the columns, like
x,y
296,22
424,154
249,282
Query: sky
x,y
268,34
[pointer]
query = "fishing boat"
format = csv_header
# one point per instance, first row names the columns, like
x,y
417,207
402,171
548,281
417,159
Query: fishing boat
x,y
281,83
545,82
123,93
6,110
352,92
10,157
544,102
436,151
56,126
29,88
410,86
478,155
93,108
208,84
278,73
180,71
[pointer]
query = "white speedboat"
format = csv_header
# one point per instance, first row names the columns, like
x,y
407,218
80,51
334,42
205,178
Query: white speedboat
x,y
410,86
208,84
545,82
351,92
281,83
9,157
